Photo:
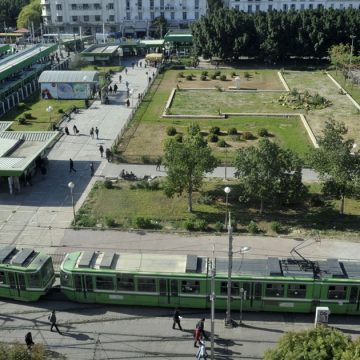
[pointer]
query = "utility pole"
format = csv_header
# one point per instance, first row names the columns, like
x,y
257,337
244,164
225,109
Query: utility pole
x,y
212,298
228,320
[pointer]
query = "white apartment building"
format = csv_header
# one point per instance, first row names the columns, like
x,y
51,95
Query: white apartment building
x,y
285,5
130,17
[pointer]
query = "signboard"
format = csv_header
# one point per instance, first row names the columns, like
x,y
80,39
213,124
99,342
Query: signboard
x,y
65,91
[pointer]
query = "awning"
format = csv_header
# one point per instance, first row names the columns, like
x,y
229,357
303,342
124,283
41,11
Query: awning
x,y
154,57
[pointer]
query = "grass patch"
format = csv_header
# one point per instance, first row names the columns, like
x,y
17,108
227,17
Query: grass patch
x,y
40,120
124,207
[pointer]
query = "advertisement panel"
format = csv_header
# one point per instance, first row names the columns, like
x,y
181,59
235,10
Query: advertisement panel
x,y
73,91
49,91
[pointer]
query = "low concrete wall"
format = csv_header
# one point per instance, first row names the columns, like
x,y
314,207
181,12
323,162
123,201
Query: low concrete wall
x,y
283,81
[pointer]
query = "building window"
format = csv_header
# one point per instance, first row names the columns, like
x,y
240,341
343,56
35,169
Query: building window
x,y
320,6
152,16
274,290
285,7
104,283
249,8
184,15
58,7
151,4
59,19
302,6
86,18
74,18
111,17
75,30
269,7
128,17
237,7
139,3
140,16
292,7
86,6
311,6
162,4
296,291
125,282
146,284
127,4
196,15
97,18
190,287
257,8
111,6
162,14
196,4
73,6
97,6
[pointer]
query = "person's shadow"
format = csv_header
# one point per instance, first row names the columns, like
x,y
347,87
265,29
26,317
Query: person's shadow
x,y
77,336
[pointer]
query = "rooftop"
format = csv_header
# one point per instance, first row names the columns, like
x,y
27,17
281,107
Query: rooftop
x,y
68,76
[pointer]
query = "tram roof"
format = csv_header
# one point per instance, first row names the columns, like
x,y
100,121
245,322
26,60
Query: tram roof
x,y
141,263
11,257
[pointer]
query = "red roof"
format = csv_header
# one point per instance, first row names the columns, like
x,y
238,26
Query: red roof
x,y
22,30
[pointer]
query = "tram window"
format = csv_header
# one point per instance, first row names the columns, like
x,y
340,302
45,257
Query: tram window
x,y
125,282
2,278
274,290
47,272
296,291
190,287
353,295
337,292
34,280
235,291
146,284
104,283
65,279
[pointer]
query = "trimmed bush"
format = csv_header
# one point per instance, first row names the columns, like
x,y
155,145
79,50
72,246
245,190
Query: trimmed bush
x,y
248,135
60,111
213,138
213,77
217,73
143,223
247,75
204,73
232,131
203,78
189,225
21,120
253,228
223,77
263,132
201,225
189,77
276,227
108,184
218,226
85,220
215,130
180,75
222,143
171,131
146,159
233,74
178,138
21,106
109,221
28,116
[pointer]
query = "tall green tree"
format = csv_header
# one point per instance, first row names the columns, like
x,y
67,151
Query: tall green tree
x,y
321,343
214,5
159,26
269,173
30,14
339,55
9,11
338,167
186,164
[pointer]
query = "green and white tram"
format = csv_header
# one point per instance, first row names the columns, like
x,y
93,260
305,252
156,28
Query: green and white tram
x,y
25,274
283,285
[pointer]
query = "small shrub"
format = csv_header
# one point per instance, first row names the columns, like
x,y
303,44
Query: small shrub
x,y
21,120
236,137
248,135
218,226
252,228
263,132
189,225
203,78
95,68
206,199
247,75
193,129
215,130
233,74
276,227
178,138
143,223
21,106
109,221
171,131
204,73
201,225
223,77
180,75
213,77
232,131
217,73
222,143
85,220
60,111
145,159
28,116
189,77
213,138
108,184
316,201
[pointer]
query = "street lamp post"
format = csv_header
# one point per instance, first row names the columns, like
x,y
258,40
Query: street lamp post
x,y
242,292
212,298
228,320
227,191
352,37
71,186
49,109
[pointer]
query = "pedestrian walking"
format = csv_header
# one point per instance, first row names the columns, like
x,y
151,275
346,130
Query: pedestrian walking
x,y
97,132
74,129
92,170
201,353
101,149
28,340
120,78
110,89
199,331
127,84
52,319
127,102
149,79
108,154
92,132
115,88
71,164
66,129
133,65
158,163
125,71
140,64
177,318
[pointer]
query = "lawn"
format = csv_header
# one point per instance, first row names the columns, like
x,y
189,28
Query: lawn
x,y
121,206
40,120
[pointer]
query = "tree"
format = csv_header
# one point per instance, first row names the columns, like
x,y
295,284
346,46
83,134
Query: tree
x,y
9,11
160,26
214,5
30,14
339,55
321,343
338,168
268,172
186,164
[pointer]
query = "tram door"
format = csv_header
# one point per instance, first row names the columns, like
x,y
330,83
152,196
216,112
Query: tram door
x,y
84,288
17,284
252,300
354,300
169,292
